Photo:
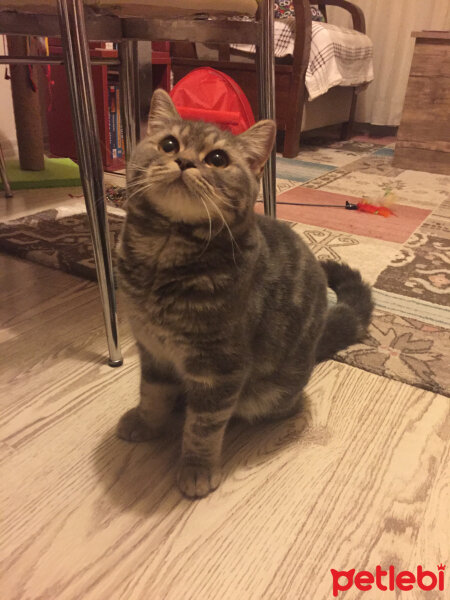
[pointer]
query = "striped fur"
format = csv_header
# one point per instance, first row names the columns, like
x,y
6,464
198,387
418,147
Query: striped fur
x,y
228,308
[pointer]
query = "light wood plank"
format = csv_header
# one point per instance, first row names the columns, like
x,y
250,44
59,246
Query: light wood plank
x,y
359,478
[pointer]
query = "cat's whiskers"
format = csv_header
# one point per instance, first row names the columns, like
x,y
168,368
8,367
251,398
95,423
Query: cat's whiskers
x,y
137,167
224,202
197,184
232,239
209,189
207,192
158,174
139,189
137,182
210,227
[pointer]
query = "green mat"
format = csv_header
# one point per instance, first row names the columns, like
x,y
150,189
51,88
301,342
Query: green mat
x,y
58,172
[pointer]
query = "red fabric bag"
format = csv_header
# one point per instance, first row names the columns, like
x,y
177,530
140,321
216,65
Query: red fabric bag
x,y
205,94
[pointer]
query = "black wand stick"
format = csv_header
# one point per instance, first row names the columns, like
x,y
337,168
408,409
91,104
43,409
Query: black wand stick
x,y
348,205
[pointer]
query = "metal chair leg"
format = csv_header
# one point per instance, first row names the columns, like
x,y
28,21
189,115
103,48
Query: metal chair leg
x,y
4,176
79,76
129,106
266,90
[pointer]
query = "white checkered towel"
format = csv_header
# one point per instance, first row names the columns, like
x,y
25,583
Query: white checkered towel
x,y
338,56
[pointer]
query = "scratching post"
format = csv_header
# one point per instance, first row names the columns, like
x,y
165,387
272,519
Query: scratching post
x,y
27,114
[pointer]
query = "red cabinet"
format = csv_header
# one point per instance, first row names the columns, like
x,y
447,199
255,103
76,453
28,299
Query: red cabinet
x,y
60,130
161,65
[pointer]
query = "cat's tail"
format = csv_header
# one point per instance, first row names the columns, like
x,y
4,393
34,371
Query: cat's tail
x,y
347,321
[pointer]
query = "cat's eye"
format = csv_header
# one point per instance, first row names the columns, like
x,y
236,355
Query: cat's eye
x,y
217,158
169,144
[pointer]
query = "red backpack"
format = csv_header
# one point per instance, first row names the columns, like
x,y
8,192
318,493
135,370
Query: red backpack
x,y
205,94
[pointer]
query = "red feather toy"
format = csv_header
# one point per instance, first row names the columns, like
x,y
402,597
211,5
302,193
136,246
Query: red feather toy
x,y
382,209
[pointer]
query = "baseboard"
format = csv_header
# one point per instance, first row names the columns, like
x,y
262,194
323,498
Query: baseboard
x,y
374,131
382,131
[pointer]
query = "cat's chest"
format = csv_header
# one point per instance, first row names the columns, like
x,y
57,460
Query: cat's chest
x,y
159,342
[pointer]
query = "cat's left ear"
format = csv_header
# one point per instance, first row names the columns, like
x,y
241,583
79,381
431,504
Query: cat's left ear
x,y
162,109
258,143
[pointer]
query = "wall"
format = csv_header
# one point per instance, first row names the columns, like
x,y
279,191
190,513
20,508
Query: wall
x,y
389,24
7,127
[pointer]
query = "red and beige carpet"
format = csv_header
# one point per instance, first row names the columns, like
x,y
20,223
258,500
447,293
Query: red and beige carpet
x,y
406,257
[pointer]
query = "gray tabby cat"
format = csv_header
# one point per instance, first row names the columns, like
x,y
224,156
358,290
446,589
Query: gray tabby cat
x,y
229,309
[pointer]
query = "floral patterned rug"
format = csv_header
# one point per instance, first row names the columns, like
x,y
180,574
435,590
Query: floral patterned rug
x,y
406,257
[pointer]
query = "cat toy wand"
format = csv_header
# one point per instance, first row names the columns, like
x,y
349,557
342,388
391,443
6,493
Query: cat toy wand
x,y
348,205
373,209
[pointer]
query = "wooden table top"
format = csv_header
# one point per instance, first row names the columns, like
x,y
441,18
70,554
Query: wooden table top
x,y
432,35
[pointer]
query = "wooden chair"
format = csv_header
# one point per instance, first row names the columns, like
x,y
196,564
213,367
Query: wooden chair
x,y
126,22
290,86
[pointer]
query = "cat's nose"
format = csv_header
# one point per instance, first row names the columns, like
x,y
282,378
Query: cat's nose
x,y
184,164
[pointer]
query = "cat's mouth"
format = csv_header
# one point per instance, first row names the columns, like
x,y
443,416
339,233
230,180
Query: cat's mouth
x,y
188,179
164,176
188,183
180,183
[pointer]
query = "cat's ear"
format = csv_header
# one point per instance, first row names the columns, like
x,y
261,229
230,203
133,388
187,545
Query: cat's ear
x,y
162,109
258,143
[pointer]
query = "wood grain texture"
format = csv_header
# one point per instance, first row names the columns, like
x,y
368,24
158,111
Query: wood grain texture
x,y
431,35
359,478
426,114
431,60
424,132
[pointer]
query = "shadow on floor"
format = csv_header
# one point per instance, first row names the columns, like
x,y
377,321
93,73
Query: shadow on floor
x,y
141,477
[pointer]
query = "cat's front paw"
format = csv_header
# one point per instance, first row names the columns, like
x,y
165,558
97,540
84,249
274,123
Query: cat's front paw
x,y
197,481
133,428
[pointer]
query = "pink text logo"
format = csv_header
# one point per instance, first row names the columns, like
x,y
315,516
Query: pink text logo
x,y
388,580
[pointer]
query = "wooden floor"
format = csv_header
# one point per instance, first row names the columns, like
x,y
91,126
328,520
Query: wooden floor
x,y
361,478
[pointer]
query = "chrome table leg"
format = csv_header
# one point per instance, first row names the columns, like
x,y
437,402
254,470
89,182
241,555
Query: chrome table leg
x,y
79,76
266,91
129,105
